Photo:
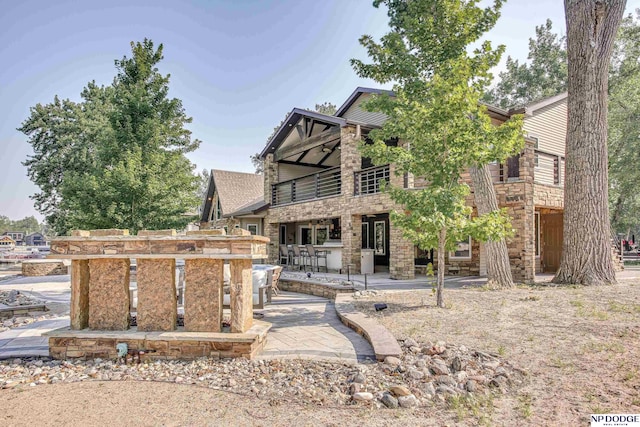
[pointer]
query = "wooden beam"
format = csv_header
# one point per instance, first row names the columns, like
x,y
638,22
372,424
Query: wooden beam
x,y
315,141
288,162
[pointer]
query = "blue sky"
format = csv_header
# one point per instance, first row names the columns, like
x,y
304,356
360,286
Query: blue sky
x,y
238,65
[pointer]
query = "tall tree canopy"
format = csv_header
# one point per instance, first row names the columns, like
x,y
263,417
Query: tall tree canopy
x,y
117,158
544,75
436,114
586,250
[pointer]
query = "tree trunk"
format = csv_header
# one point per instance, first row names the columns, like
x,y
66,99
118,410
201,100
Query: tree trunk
x,y
442,238
586,251
498,267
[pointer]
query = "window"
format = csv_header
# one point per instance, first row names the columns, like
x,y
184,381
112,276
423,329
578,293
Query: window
x,y
535,146
365,236
218,211
379,236
536,220
283,234
313,235
463,250
253,229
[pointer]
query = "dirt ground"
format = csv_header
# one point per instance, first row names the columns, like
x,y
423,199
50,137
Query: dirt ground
x,y
580,347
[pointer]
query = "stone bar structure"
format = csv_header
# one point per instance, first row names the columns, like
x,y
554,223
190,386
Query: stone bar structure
x,y
100,298
157,309
203,295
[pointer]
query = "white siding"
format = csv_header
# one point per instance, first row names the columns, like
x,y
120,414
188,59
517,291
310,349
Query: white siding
x,y
549,125
357,114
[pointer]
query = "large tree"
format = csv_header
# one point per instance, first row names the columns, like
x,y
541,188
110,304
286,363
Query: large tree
x,y
586,251
116,159
436,111
544,75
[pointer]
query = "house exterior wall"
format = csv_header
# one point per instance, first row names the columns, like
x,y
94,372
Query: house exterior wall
x,y
355,113
348,207
549,125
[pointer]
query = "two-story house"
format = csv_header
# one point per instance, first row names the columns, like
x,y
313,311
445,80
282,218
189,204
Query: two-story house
x,y
321,190
17,236
234,199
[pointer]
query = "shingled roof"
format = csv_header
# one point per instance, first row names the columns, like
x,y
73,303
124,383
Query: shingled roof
x,y
235,190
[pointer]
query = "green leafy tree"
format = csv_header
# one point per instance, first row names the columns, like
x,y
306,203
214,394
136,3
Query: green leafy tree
x,y
544,75
117,159
436,111
624,127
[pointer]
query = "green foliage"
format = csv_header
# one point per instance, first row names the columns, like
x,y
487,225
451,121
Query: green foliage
x,y
28,224
116,159
624,128
436,110
544,75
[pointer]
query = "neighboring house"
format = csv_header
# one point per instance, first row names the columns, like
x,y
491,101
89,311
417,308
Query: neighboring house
x,y
7,243
234,199
321,191
17,236
35,239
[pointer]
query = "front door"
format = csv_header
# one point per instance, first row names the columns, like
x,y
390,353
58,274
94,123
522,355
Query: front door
x,y
375,235
551,241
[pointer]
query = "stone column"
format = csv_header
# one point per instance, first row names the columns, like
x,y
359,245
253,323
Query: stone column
x,y
401,255
109,294
351,242
79,309
350,158
241,295
157,309
203,295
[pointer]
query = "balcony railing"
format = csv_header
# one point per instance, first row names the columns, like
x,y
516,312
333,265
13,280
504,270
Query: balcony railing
x,y
314,186
367,181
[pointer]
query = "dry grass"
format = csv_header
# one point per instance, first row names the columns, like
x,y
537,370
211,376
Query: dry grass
x,y
580,345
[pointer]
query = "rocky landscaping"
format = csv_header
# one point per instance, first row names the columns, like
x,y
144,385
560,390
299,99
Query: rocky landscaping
x,y
428,374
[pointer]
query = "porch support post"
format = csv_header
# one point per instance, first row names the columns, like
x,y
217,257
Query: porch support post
x,y
401,255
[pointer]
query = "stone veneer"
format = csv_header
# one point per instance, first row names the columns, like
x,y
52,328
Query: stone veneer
x,y
100,299
347,206
66,344
44,268
520,197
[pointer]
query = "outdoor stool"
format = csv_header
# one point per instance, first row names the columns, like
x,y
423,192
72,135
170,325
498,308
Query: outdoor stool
x,y
299,255
317,255
287,255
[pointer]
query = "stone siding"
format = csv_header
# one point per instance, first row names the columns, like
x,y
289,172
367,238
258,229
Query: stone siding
x,y
44,268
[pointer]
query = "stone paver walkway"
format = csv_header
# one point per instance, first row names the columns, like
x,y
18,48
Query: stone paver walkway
x,y
307,327
304,327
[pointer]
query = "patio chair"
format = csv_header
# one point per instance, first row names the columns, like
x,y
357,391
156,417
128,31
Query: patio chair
x,y
299,255
275,278
286,254
317,255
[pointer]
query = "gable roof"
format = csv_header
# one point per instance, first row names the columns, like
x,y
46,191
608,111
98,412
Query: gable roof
x,y
356,94
287,127
530,108
235,190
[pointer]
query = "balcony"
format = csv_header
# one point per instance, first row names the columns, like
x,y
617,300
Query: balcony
x,y
327,183
367,181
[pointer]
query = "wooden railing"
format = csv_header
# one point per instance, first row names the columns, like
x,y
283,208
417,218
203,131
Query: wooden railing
x,y
368,181
313,186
